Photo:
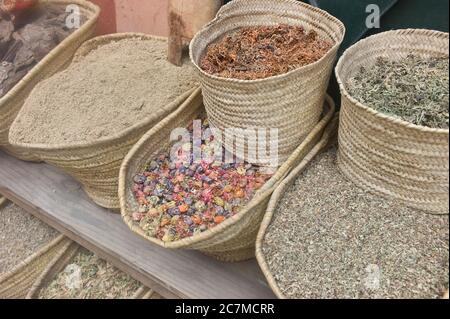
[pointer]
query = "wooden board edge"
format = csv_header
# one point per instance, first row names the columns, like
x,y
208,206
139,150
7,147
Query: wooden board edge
x,y
160,288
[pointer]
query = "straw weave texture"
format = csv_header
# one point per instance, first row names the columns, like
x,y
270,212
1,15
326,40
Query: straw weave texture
x,y
234,239
58,59
31,275
291,102
385,155
96,164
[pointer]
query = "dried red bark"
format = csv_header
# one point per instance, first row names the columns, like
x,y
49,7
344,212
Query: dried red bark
x,y
263,51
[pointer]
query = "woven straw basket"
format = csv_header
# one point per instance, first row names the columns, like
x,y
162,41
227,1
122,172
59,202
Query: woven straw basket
x,y
291,102
327,139
385,155
32,274
29,278
96,164
234,239
56,60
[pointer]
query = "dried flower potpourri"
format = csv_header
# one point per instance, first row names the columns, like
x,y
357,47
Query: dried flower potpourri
x,y
263,51
413,89
185,197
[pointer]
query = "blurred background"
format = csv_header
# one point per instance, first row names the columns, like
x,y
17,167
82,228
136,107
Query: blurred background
x,y
151,16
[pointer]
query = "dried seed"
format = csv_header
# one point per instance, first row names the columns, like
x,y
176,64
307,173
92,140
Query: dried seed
x,y
330,239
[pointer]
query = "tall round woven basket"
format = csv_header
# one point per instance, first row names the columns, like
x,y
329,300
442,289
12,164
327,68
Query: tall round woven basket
x,y
290,102
386,155
59,58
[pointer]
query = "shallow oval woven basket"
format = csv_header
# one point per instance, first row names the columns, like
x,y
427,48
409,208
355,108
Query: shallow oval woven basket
x,y
96,164
291,102
385,155
327,139
234,239
31,275
58,59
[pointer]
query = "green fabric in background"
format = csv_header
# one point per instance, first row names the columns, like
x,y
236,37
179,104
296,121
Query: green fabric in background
x,y
353,14
427,14
395,14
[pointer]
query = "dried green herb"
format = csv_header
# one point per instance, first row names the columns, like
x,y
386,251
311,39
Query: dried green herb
x,y
413,89
330,239
99,280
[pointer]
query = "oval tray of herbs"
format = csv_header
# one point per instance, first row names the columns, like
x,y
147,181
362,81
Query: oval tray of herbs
x,y
212,206
324,237
393,135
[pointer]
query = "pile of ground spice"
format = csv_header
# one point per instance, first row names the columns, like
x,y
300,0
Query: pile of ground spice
x,y
413,89
263,51
21,235
330,239
28,38
89,277
180,197
114,87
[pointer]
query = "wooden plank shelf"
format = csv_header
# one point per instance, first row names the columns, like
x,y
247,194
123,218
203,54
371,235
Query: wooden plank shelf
x,y
57,199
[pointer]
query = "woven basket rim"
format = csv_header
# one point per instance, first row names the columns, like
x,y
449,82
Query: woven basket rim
x,y
267,189
304,68
129,130
366,108
277,195
92,18
38,253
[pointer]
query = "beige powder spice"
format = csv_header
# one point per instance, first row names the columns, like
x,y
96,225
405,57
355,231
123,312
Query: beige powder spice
x,y
112,88
21,235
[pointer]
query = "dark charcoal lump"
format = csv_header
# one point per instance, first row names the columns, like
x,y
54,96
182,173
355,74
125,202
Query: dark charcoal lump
x,y
27,39
38,39
6,31
7,76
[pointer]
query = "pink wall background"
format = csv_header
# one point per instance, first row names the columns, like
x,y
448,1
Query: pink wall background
x,y
151,16
107,19
147,16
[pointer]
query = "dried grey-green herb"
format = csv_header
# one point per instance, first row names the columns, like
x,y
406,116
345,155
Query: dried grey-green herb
x,y
330,239
413,89
98,280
